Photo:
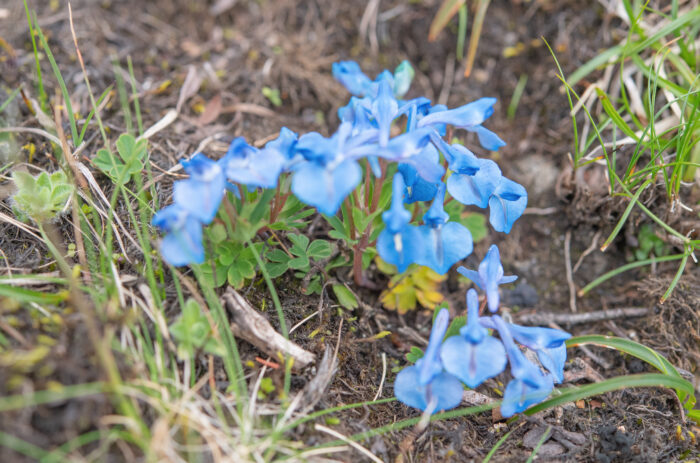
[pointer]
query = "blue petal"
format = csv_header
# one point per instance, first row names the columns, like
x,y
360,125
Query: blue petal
x,y
429,365
201,199
535,337
317,148
417,188
284,144
519,395
374,165
401,249
473,363
491,272
475,189
240,148
507,204
459,158
384,110
427,164
520,366
324,187
444,389
397,217
436,215
351,76
473,331
472,275
467,116
260,168
183,243
553,359
488,139
400,148
445,246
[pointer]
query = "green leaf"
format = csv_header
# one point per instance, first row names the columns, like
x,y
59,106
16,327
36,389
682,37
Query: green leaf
x,y
217,233
345,297
299,263
235,278
277,255
299,244
457,324
414,354
319,249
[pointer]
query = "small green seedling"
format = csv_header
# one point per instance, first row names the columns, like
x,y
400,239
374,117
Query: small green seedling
x,y
130,161
193,332
302,253
41,198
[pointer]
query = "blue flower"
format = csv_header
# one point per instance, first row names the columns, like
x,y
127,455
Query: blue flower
x,y
202,193
519,394
248,165
418,188
425,385
474,356
529,385
329,172
468,116
489,276
351,76
326,186
182,245
475,189
410,148
445,243
459,159
506,205
399,243
549,345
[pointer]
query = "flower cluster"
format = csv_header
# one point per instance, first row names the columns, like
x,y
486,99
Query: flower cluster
x,y
325,170
473,356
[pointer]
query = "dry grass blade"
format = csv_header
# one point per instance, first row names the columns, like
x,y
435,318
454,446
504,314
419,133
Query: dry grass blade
x,y
352,444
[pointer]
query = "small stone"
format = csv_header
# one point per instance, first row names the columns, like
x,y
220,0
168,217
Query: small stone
x,y
534,436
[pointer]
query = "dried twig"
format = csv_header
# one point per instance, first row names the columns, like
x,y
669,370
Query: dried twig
x,y
593,246
544,318
248,324
569,272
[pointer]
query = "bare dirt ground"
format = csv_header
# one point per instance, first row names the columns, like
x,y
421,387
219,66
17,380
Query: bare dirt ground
x,y
290,45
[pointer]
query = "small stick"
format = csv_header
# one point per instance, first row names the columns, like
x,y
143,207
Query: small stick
x,y
589,249
249,324
569,273
545,318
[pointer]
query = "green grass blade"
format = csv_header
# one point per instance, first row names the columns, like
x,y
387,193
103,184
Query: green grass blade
x,y
61,83
43,100
675,280
544,437
635,349
25,448
15,402
28,295
625,214
626,267
613,384
495,448
9,100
